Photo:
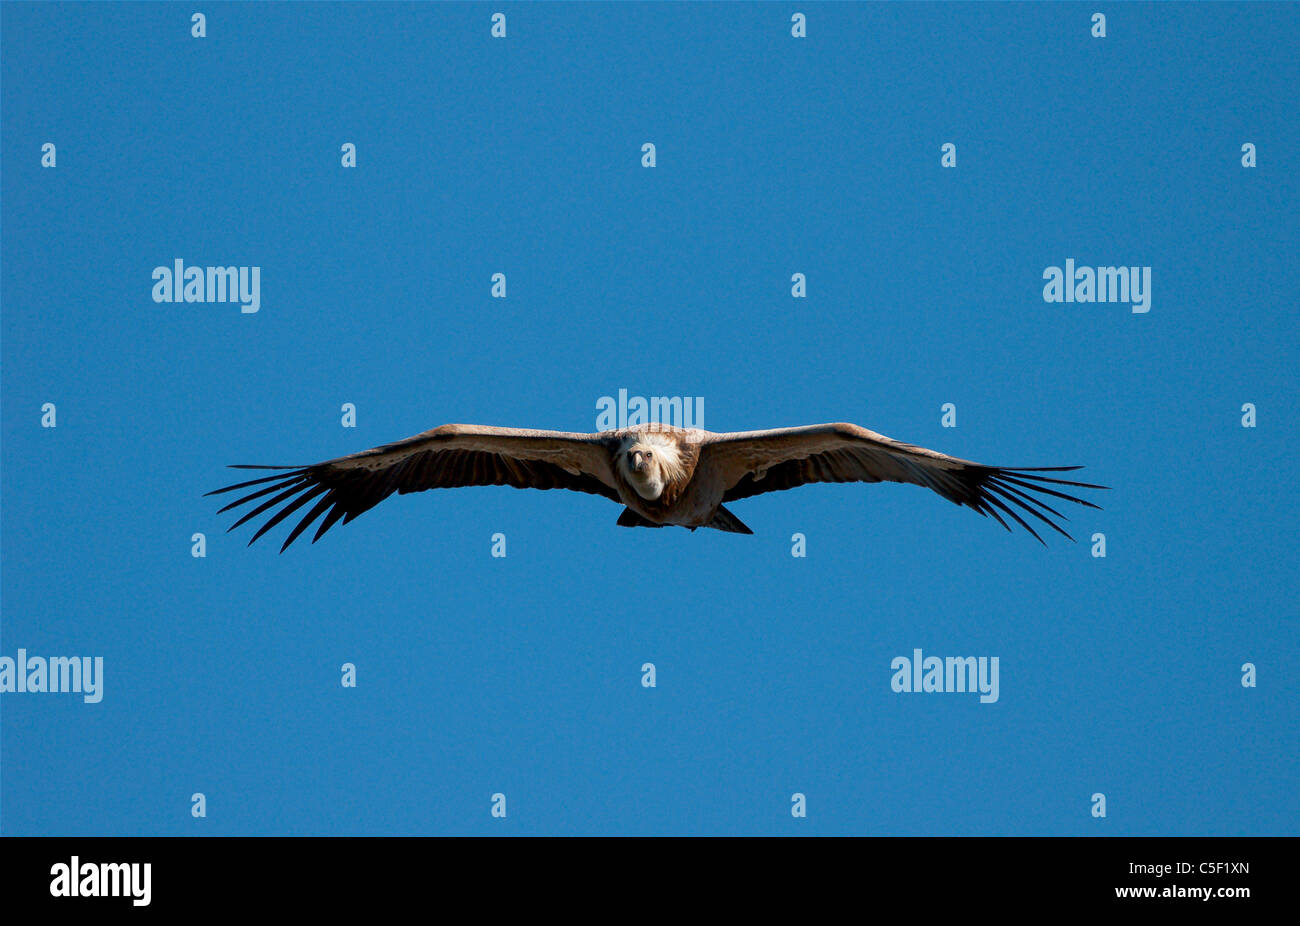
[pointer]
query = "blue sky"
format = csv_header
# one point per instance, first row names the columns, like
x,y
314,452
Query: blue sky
x,y
480,675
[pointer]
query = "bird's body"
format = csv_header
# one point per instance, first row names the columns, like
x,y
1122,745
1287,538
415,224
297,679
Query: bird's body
x,y
666,491
662,475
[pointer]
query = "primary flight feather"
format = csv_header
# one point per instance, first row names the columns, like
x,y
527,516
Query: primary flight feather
x,y
663,475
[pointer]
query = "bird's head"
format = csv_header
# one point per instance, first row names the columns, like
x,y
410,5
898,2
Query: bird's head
x,y
649,461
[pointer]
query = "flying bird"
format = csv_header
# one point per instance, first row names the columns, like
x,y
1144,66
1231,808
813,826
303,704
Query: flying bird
x,y
662,475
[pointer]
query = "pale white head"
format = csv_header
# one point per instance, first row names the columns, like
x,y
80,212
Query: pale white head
x,y
649,460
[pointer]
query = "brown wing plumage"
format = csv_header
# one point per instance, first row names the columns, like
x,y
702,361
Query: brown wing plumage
x,y
450,456
752,462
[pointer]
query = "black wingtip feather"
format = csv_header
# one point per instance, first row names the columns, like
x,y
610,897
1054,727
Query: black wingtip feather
x,y
289,509
269,489
999,490
260,466
1024,496
310,516
270,503
1029,474
335,513
1009,490
347,495
298,470
1019,519
1053,492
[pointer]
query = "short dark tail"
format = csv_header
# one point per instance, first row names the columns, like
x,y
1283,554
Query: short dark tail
x,y
630,518
724,520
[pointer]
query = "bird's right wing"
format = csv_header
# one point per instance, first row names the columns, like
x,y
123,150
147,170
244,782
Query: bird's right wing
x,y
748,463
446,457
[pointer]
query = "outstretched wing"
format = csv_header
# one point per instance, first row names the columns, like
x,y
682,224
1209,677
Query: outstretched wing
x,y
446,457
752,462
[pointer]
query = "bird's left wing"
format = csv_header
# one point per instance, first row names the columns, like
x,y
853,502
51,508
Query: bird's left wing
x,y
449,456
752,462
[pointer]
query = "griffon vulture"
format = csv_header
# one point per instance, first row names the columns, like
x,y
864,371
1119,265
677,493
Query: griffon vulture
x,y
662,475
